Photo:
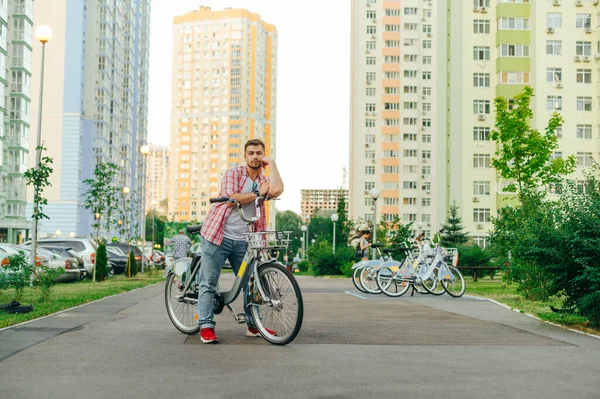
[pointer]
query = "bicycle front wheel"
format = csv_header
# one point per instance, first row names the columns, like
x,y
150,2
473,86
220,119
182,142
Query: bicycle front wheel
x,y
368,280
453,281
390,283
183,314
433,285
278,320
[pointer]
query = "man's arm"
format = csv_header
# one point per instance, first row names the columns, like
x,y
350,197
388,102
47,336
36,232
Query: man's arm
x,y
275,186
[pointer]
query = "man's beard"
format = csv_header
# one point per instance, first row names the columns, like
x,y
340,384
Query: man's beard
x,y
255,167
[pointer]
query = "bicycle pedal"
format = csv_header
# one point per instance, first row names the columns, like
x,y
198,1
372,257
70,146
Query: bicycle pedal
x,y
241,318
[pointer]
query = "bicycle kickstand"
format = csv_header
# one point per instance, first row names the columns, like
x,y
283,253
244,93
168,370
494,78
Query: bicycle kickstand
x,y
239,317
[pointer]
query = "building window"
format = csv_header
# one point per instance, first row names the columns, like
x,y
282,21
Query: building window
x,y
481,53
481,106
426,170
553,47
553,20
370,122
370,107
514,50
514,77
369,185
584,103
584,159
584,76
481,160
409,185
426,43
371,29
371,61
371,76
554,103
426,60
410,74
425,201
426,123
371,45
409,169
481,215
407,201
583,48
584,131
369,170
409,137
481,3
517,23
481,133
481,26
426,154
481,80
410,153
426,75
583,21
410,89
410,11
553,75
370,139
369,154
481,188
480,241
426,138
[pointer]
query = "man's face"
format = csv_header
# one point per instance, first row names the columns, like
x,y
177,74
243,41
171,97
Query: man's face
x,y
254,155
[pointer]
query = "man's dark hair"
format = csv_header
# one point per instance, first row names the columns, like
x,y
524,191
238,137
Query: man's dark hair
x,y
254,142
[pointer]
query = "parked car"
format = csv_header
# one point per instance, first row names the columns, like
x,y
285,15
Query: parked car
x,y
118,260
13,249
124,248
68,253
84,246
70,265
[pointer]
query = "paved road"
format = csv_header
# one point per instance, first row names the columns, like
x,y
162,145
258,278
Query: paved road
x,y
349,347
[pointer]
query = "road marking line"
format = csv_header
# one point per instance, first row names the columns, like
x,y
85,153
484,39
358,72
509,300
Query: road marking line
x,y
356,295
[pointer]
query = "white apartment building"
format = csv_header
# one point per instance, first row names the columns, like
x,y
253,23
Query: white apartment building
x,y
95,102
16,37
480,49
157,178
224,93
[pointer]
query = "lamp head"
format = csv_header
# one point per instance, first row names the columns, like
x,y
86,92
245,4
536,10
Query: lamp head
x,y
145,149
43,33
334,217
375,193
303,228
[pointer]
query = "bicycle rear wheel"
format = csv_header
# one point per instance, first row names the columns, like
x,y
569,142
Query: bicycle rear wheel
x,y
356,279
368,277
183,314
280,320
453,282
390,284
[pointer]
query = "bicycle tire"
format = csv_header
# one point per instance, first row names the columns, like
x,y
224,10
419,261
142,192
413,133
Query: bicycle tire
x,y
452,283
392,287
433,284
356,279
184,316
368,277
267,321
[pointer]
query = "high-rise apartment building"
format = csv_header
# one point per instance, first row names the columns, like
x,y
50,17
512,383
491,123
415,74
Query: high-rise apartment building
x,y
95,101
472,52
318,199
16,37
157,178
224,93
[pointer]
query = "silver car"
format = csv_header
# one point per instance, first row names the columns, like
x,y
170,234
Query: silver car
x,y
85,247
55,261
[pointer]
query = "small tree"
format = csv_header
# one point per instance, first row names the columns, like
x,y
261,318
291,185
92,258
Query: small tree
x,y
19,271
132,266
342,228
101,262
101,198
523,154
453,235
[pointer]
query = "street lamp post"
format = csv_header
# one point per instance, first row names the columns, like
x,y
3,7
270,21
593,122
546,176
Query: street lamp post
x,y
43,33
144,150
334,219
303,228
153,216
126,192
374,193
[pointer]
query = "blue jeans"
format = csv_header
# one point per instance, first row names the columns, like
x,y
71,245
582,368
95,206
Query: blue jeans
x,y
212,261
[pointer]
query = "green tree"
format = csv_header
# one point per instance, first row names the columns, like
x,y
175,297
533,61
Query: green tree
x,y
101,198
290,221
39,177
453,235
523,154
342,228
153,217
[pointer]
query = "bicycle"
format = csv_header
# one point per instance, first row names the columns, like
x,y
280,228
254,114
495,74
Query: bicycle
x,y
275,302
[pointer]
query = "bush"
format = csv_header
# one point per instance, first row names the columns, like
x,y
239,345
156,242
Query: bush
x,y
101,262
303,266
45,279
474,256
18,273
324,262
133,266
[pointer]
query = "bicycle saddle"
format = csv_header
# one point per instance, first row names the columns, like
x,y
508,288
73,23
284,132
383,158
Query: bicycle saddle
x,y
193,229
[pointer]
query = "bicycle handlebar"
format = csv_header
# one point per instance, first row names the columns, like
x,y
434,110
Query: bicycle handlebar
x,y
239,206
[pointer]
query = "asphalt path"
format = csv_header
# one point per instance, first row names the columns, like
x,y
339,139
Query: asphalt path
x,y
351,345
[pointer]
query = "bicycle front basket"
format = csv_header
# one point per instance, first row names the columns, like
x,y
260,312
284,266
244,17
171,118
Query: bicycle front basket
x,y
268,239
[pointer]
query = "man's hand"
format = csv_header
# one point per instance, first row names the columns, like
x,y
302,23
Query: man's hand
x,y
264,189
266,161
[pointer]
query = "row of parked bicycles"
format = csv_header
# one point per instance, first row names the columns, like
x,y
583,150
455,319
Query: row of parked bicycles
x,y
427,268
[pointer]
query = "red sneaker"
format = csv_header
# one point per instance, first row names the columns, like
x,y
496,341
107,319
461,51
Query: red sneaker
x,y
253,332
207,335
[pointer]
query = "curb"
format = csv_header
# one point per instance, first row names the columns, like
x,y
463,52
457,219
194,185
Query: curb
x,y
75,307
478,298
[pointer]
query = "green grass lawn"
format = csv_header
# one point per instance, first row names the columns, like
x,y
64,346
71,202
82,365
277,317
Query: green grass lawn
x,y
68,295
507,294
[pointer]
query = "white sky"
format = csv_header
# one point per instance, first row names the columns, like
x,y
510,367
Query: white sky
x,y
313,91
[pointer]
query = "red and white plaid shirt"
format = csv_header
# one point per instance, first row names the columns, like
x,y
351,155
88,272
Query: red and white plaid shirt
x,y
213,228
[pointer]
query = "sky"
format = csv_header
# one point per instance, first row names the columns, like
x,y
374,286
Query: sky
x,y
313,86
